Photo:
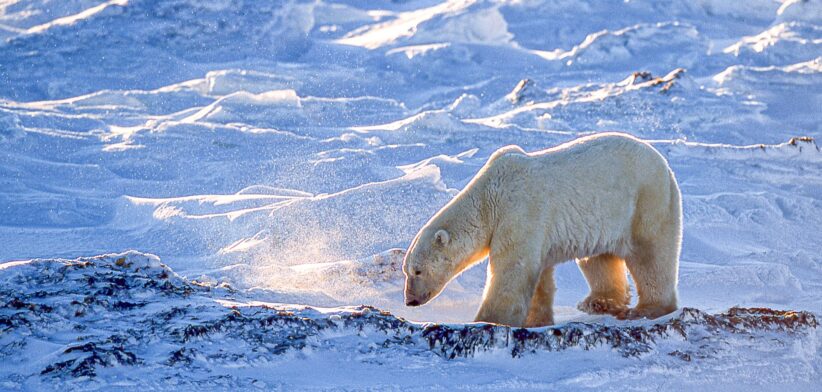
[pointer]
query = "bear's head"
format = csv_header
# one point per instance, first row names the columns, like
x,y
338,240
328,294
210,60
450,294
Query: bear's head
x,y
437,255
427,266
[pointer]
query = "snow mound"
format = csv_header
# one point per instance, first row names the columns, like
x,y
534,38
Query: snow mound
x,y
84,318
285,109
227,81
457,21
782,44
436,121
639,45
645,103
571,21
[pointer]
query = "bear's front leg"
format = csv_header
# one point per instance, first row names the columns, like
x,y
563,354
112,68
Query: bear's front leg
x,y
508,291
541,311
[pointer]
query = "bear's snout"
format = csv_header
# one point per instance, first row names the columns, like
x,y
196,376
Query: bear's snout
x,y
417,299
413,296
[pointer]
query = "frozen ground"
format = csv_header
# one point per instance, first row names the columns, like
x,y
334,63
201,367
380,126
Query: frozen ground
x,y
292,149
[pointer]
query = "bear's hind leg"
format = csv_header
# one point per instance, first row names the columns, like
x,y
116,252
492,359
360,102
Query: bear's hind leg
x,y
608,281
541,311
653,267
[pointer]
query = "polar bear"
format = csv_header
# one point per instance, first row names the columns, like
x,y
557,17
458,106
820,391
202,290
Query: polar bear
x,y
608,200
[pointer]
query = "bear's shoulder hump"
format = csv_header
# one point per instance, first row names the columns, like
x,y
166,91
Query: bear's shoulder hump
x,y
506,153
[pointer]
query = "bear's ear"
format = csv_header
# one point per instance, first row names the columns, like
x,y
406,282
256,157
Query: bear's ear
x,y
442,237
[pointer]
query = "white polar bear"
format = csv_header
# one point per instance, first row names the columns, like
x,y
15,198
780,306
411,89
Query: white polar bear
x,y
607,200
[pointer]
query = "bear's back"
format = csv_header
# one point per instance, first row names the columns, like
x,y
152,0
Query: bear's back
x,y
600,160
600,151
612,142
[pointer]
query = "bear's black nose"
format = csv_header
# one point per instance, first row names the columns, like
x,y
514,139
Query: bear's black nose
x,y
412,303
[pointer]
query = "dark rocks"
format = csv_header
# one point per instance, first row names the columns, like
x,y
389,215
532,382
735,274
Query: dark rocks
x,y
464,341
89,358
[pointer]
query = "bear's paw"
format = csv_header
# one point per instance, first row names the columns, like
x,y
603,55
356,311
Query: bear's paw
x,y
603,305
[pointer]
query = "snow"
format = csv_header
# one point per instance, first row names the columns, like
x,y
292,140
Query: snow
x,y
169,331
290,151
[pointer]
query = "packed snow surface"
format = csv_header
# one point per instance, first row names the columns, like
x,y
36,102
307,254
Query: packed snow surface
x,y
278,157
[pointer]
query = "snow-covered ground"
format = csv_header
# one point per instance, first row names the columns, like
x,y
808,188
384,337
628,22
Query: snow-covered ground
x,y
291,150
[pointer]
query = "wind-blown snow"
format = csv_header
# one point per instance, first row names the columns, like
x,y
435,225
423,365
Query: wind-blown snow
x,y
292,149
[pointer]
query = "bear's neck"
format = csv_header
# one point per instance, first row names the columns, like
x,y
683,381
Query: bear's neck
x,y
476,210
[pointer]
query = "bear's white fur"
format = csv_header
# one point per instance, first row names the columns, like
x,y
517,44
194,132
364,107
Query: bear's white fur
x,y
608,200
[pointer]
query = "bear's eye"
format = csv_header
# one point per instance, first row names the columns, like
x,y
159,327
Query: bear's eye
x,y
417,272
